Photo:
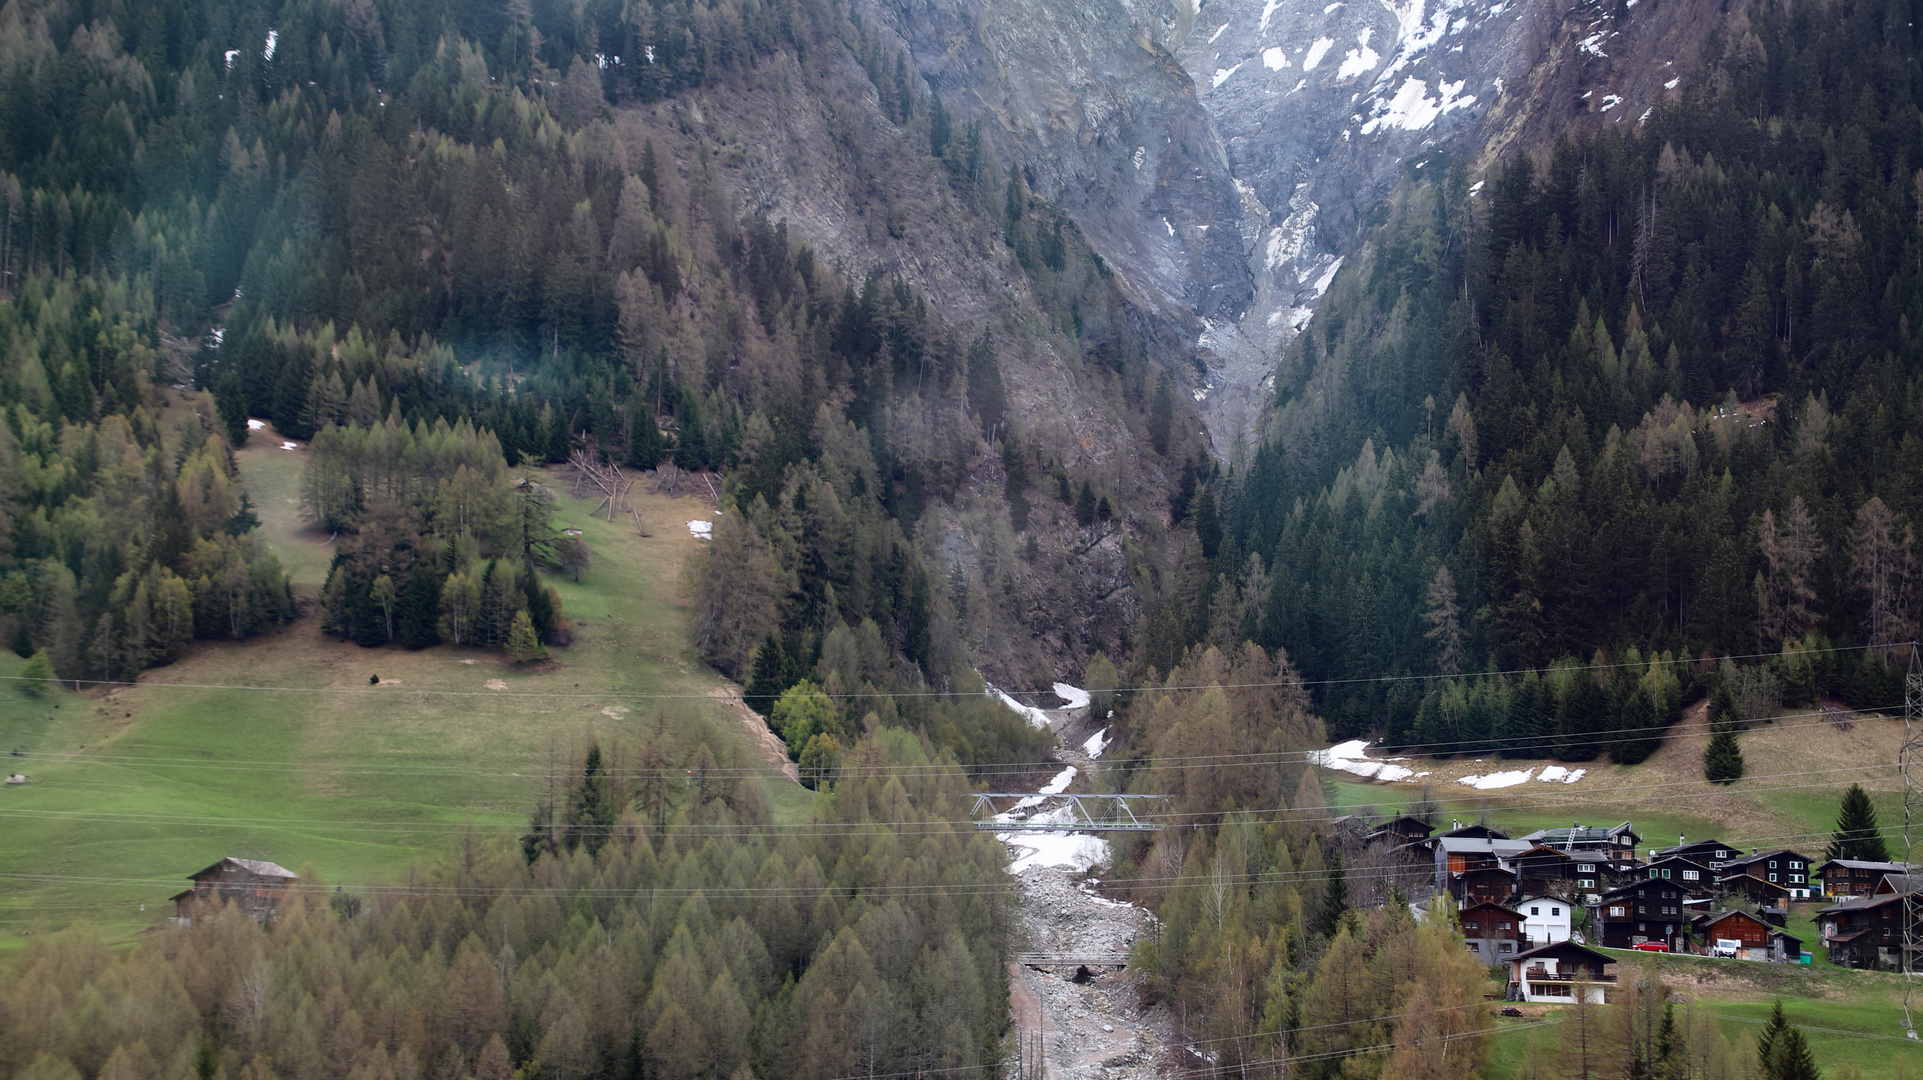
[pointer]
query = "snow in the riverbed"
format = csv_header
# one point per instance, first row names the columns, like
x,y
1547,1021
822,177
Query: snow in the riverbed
x,y
1096,744
1077,851
1552,773
1498,779
1060,783
1349,757
1035,717
1076,697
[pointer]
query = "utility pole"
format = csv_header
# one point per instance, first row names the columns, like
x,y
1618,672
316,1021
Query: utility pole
x,y
1908,764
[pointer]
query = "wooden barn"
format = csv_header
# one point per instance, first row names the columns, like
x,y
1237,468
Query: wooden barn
x,y
250,884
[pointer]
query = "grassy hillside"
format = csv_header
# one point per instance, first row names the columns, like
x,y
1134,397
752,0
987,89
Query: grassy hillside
x,y
1853,1019
133,789
1797,769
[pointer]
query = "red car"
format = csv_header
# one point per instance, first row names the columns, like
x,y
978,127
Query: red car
x,y
1652,946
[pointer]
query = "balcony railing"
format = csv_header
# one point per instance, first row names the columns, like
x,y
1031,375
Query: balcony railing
x,y
1564,977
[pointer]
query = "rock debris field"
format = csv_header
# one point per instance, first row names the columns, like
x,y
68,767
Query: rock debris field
x,y
1084,1020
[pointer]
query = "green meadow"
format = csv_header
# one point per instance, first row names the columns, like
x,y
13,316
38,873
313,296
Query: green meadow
x,y
286,749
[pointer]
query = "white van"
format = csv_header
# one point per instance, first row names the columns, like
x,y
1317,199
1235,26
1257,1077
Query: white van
x,y
1729,948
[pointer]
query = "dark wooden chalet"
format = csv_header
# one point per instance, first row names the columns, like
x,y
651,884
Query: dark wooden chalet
x,y
1403,830
1543,871
1755,890
1483,885
1472,832
1780,867
1612,844
251,884
1760,941
1494,932
1867,931
1695,878
1649,910
1711,853
1844,878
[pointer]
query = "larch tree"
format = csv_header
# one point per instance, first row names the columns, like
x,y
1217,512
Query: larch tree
x,y
1444,616
1785,587
1883,568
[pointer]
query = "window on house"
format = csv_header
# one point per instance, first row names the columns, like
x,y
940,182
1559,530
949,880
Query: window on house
x,y
1618,912
1692,875
1503,925
1586,868
1772,877
1772,864
1535,911
1586,883
1555,911
1642,928
1507,946
1721,854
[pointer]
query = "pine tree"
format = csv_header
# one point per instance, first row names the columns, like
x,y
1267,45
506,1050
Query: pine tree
x,y
1857,835
592,812
1723,759
764,682
1444,616
1335,898
522,642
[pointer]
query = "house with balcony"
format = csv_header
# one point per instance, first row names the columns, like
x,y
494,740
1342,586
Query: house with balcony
x,y
1556,974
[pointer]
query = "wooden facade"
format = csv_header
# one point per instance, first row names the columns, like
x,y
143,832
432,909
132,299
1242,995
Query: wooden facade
x,y
1650,910
256,886
1493,932
1844,878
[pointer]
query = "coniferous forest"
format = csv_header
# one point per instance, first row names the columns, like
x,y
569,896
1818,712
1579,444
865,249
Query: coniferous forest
x,y
1617,426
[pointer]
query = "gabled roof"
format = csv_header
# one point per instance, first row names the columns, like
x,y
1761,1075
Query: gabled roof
x,y
1694,846
1544,851
1858,903
1708,921
1546,900
1864,864
1403,825
1585,834
1673,859
1750,860
1476,845
1642,883
1504,908
1899,884
253,866
1482,831
1560,949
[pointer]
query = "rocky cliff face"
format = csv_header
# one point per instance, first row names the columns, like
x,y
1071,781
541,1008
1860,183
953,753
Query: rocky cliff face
x,y
1225,158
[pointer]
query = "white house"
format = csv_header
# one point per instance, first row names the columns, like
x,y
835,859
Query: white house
x,y
1554,974
1545,919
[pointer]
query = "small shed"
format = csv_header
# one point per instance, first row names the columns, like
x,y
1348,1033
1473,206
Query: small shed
x,y
1552,974
252,884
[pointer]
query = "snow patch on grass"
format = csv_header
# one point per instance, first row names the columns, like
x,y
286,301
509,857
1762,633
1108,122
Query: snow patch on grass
x,y
1491,781
702,530
1352,757
1552,774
